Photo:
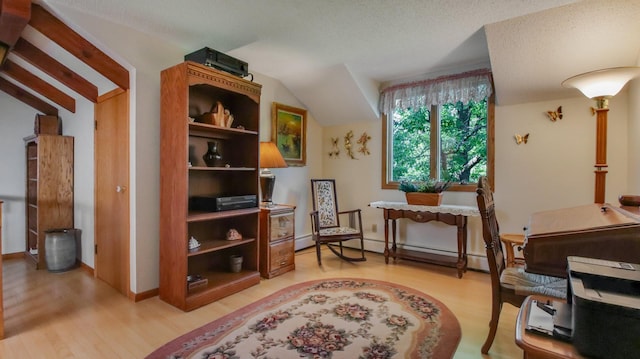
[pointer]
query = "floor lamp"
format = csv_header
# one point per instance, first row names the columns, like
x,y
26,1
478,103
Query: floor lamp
x,y
270,157
601,85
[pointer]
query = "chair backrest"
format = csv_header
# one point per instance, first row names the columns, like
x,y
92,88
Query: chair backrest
x,y
490,230
325,201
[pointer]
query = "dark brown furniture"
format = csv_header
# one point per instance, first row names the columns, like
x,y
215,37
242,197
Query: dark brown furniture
x,y
325,221
49,191
277,240
595,230
188,90
536,346
508,284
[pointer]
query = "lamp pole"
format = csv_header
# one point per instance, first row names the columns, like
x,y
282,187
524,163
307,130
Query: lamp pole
x,y
602,110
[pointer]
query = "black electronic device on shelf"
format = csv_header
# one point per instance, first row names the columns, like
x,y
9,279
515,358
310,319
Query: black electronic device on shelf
x,y
215,204
218,60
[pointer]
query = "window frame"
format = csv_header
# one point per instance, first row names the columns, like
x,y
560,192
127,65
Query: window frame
x,y
435,143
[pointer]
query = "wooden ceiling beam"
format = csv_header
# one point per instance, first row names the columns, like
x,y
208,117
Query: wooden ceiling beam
x,y
68,39
27,98
47,90
53,68
14,16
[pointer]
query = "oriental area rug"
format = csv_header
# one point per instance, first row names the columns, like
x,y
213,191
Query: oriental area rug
x,y
330,318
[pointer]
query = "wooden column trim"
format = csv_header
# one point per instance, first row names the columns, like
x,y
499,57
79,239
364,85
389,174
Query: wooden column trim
x,y
601,155
53,68
14,16
27,98
68,39
47,90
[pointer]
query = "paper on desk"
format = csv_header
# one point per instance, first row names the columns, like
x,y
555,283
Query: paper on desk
x,y
539,321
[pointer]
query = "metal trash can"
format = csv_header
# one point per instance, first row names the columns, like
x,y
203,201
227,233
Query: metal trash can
x,y
60,249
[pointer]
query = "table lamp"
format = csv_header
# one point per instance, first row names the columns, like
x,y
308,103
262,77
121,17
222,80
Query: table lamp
x,y
601,85
270,157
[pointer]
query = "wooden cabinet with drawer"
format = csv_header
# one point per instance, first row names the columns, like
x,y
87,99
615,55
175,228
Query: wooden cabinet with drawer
x,y
277,240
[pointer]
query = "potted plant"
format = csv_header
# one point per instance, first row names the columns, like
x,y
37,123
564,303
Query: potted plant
x,y
425,193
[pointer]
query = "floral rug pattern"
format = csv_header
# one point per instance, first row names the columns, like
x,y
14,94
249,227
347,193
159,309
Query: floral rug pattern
x,y
335,318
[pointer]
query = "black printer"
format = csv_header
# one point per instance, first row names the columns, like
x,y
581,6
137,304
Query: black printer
x,y
605,307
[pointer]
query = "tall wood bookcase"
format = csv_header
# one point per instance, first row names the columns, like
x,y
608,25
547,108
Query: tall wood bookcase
x,y
49,190
187,91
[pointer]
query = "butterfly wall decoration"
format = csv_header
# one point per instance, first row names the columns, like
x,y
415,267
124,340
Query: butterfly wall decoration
x,y
347,144
364,138
335,151
521,138
555,115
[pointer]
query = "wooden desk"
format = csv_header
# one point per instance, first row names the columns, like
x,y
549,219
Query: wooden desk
x,y
449,214
611,233
537,346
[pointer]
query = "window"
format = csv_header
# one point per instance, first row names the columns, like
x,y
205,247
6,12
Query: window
x,y
452,141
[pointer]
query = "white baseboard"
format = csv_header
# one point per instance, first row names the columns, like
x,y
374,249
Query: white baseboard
x,y
474,260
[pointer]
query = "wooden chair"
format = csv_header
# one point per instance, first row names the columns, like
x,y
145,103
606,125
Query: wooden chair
x,y
325,221
508,284
511,242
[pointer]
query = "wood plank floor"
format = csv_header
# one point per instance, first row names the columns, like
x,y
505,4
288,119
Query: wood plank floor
x,y
73,315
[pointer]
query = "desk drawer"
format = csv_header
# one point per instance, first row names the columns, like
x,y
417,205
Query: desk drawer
x,y
281,226
282,254
420,216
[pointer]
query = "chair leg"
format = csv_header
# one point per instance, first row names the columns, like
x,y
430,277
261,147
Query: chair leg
x,y
318,253
493,326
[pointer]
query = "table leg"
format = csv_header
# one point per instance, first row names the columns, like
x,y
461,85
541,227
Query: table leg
x,y
461,223
386,240
393,246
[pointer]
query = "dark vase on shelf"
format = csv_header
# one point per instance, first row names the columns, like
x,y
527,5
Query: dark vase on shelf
x,y
212,157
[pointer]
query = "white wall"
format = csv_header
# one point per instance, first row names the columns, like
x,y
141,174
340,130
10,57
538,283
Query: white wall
x,y
633,136
555,169
16,122
292,183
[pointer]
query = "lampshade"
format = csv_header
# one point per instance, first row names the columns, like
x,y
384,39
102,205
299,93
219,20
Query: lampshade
x,y
602,83
4,52
270,156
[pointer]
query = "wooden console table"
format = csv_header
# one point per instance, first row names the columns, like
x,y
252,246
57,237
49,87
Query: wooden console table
x,y
449,214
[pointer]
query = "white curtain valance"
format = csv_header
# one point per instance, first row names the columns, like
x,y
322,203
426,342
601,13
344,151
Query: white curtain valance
x,y
472,85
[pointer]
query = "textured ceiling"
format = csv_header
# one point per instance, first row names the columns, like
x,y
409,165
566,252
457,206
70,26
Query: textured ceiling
x,y
333,55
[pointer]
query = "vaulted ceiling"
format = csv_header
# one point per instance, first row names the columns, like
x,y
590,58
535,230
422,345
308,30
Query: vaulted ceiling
x,y
31,75
334,55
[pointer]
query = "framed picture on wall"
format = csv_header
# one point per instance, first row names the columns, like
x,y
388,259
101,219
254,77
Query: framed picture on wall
x,y
289,133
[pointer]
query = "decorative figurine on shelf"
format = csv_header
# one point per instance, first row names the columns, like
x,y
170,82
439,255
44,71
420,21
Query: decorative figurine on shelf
x,y
218,116
212,156
233,234
193,243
